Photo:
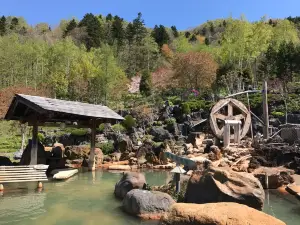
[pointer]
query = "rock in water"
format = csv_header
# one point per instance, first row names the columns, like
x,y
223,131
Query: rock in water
x,y
147,204
119,167
4,161
41,154
225,185
18,154
225,213
128,182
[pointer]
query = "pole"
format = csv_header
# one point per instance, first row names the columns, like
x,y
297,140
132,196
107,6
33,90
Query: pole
x,y
177,182
265,110
251,126
34,143
92,151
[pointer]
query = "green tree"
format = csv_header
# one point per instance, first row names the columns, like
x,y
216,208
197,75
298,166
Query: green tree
x,y
139,28
71,26
181,44
14,23
146,83
93,29
160,35
284,31
2,25
175,32
109,17
193,38
287,62
130,33
118,32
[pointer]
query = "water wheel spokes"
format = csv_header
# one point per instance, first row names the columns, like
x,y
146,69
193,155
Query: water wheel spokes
x,y
229,109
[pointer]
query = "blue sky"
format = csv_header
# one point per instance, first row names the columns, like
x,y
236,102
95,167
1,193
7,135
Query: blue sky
x,y
183,14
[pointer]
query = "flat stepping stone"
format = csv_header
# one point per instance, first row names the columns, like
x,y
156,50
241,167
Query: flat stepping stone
x,y
119,167
64,173
293,189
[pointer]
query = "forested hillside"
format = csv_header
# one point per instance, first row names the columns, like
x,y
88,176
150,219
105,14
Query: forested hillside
x,y
94,59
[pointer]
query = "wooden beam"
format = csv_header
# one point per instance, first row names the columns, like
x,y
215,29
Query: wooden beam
x,y
92,151
244,92
34,143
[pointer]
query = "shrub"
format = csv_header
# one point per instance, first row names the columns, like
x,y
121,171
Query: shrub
x,y
157,123
129,122
118,128
157,144
79,132
277,114
147,137
41,137
101,127
107,148
170,121
186,108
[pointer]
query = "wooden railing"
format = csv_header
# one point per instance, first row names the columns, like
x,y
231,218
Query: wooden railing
x,y
14,174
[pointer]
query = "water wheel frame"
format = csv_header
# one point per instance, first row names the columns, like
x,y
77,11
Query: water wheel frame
x,y
231,104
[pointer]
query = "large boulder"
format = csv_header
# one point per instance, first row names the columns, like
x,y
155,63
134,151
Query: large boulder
x,y
225,213
128,182
77,152
82,152
124,144
160,134
18,154
98,157
41,154
225,185
147,204
4,161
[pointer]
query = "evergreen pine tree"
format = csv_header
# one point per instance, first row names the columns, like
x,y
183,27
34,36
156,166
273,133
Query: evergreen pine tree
x,y
2,25
175,32
193,38
130,33
118,32
139,28
109,17
160,35
14,23
212,28
206,41
71,26
187,34
93,29
146,83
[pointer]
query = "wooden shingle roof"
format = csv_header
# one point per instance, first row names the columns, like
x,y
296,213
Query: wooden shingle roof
x,y
55,110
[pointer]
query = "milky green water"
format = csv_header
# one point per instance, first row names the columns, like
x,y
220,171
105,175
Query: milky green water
x,y
87,199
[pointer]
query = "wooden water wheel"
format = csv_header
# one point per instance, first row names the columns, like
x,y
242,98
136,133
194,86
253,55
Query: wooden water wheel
x,y
229,109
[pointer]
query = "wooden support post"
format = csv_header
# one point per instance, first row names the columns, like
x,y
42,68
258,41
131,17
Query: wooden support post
x,y
251,126
265,110
177,182
226,137
34,144
92,152
40,185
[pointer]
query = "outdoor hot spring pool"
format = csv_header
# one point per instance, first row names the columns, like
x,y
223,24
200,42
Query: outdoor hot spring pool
x,y
87,199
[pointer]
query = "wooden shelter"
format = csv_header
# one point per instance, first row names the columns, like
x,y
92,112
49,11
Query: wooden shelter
x,y
40,111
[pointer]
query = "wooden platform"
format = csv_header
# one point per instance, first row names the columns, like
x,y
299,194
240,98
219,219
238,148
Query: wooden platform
x,y
11,174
